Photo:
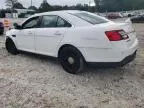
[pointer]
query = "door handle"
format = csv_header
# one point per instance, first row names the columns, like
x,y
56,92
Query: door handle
x,y
30,33
57,33
13,35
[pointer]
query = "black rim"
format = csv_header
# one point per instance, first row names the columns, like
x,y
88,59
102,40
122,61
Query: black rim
x,y
70,61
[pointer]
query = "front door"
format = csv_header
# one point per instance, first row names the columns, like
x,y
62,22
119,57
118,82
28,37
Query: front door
x,y
26,36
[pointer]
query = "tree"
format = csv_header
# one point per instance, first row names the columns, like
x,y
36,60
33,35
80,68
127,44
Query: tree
x,y
45,6
2,13
10,3
33,8
118,5
18,6
98,4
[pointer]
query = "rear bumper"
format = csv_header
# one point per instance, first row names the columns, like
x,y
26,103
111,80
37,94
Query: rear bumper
x,y
125,61
128,59
113,55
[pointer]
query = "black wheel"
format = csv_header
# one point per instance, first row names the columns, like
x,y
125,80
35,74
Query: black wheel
x,y
10,46
71,60
1,32
129,15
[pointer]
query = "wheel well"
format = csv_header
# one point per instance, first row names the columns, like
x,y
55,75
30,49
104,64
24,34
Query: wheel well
x,y
8,38
68,45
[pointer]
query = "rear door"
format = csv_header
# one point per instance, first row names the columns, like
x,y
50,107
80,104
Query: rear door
x,y
49,34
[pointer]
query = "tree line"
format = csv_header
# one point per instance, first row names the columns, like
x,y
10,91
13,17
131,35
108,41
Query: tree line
x,y
45,6
101,6
118,5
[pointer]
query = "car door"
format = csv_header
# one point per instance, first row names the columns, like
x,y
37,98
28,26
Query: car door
x,y
25,37
142,18
50,34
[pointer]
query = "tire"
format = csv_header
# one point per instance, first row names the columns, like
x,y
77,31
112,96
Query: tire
x,y
1,32
71,60
10,46
129,15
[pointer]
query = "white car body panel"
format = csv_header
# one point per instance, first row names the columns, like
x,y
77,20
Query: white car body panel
x,y
25,40
48,40
89,39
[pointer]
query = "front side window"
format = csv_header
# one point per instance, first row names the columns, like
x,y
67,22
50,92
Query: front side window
x,y
49,21
31,23
91,18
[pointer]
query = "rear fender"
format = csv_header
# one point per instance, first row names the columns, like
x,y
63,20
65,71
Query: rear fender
x,y
87,37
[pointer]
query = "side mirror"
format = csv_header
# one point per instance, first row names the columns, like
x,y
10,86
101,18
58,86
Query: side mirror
x,y
16,26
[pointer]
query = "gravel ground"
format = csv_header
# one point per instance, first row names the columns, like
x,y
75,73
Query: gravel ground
x,y
33,81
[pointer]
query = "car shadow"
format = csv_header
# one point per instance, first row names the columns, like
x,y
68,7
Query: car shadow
x,y
44,58
101,78
54,60
90,70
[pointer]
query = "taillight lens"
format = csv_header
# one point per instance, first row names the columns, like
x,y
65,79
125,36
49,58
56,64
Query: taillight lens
x,y
116,35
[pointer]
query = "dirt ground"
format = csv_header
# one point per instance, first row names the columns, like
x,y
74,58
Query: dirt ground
x,y
33,81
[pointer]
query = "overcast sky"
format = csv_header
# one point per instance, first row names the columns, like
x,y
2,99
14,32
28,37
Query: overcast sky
x,y
26,3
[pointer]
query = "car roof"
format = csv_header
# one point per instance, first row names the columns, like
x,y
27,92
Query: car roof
x,y
58,12
66,14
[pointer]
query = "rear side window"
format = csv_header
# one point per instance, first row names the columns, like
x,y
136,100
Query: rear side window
x,y
53,21
49,21
62,23
91,18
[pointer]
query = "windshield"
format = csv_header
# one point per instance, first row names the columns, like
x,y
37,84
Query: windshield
x,y
91,18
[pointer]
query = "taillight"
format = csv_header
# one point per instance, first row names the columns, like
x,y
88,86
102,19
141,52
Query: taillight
x,y
116,35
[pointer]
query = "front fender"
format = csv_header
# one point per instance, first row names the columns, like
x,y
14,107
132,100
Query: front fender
x,y
9,34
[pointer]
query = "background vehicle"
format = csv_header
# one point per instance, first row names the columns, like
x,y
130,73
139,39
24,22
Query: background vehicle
x,y
75,38
138,19
114,15
1,28
128,13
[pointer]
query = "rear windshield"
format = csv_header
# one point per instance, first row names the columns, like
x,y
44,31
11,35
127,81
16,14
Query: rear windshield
x,y
91,18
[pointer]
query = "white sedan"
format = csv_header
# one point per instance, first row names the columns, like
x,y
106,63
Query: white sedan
x,y
75,38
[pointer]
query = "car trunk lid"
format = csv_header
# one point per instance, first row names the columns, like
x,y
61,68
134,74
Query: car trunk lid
x,y
130,31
